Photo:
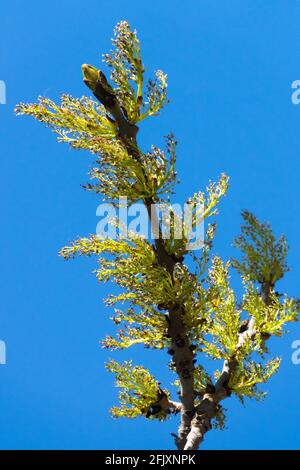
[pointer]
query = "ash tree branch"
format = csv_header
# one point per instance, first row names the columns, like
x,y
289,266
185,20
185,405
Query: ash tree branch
x,y
208,406
154,277
182,353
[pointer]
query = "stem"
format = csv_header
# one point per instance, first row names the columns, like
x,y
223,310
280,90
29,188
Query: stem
x,y
180,344
208,406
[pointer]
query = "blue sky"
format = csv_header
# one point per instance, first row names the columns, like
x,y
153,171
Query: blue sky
x,y
230,68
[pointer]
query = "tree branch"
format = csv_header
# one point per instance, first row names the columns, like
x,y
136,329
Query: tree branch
x,y
181,349
208,406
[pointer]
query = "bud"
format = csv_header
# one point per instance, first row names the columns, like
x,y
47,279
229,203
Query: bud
x,y
90,76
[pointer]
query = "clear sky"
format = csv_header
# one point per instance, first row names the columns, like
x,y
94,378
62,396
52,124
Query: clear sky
x,y
230,68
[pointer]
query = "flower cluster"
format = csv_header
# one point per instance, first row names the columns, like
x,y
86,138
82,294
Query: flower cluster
x,y
128,75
